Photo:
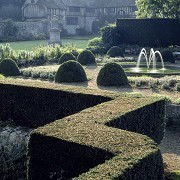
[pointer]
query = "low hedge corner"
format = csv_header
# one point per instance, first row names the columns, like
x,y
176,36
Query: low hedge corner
x,y
81,133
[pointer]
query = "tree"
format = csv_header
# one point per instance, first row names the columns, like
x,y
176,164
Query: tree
x,y
158,8
11,9
10,29
11,12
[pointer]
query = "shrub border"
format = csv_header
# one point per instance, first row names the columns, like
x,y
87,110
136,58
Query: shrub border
x,y
86,126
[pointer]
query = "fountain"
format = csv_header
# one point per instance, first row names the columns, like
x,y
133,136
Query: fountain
x,y
151,59
151,67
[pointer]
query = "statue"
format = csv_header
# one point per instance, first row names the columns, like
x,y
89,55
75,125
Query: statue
x,y
55,37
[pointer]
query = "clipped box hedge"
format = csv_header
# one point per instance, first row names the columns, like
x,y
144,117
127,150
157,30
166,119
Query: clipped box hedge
x,y
89,144
83,148
159,32
34,105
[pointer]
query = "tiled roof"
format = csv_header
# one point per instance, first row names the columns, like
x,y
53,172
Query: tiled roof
x,y
115,3
52,3
83,3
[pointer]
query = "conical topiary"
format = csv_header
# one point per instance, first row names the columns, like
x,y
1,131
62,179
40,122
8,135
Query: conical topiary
x,y
70,71
8,67
115,51
66,57
112,74
86,57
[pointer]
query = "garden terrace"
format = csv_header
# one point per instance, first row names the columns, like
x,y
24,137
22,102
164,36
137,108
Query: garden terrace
x,y
84,137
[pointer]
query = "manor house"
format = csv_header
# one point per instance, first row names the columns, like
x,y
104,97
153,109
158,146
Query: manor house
x,y
75,14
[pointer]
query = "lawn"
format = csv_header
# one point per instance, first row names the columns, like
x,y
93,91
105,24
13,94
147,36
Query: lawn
x,y
79,42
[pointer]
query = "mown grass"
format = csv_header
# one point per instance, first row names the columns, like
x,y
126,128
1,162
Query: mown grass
x,y
78,42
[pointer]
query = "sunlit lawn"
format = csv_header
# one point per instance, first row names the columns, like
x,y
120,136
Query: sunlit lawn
x,y
79,42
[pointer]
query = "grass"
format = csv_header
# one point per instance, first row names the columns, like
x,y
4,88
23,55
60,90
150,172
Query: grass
x,y
78,42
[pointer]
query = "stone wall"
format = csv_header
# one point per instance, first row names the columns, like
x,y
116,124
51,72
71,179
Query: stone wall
x,y
34,27
1,29
13,147
28,30
40,29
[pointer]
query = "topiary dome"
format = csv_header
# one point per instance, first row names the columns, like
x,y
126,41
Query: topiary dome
x,y
66,57
112,74
167,56
70,71
115,51
8,67
86,57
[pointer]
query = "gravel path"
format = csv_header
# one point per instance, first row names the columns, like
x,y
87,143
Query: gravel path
x,y
170,149
171,142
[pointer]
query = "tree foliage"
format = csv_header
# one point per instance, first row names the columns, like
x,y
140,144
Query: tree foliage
x,y
11,9
12,2
158,8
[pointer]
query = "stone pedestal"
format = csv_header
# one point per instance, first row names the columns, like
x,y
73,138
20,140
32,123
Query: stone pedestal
x,y
55,37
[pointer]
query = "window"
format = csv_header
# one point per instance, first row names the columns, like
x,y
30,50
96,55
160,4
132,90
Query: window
x,y
74,9
72,20
32,1
133,8
110,10
90,10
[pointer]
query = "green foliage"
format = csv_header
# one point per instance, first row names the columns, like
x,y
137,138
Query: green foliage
x,y
86,57
11,12
178,86
40,57
110,152
177,101
115,51
85,141
41,103
57,54
35,75
165,85
111,36
112,74
1,76
167,56
159,32
81,32
172,82
66,57
9,68
70,71
10,30
6,51
158,8
96,46
96,41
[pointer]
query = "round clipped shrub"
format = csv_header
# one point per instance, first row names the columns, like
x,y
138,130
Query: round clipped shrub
x,y
70,71
167,56
86,57
178,86
66,57
112,74
8,67
165,86
115,51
